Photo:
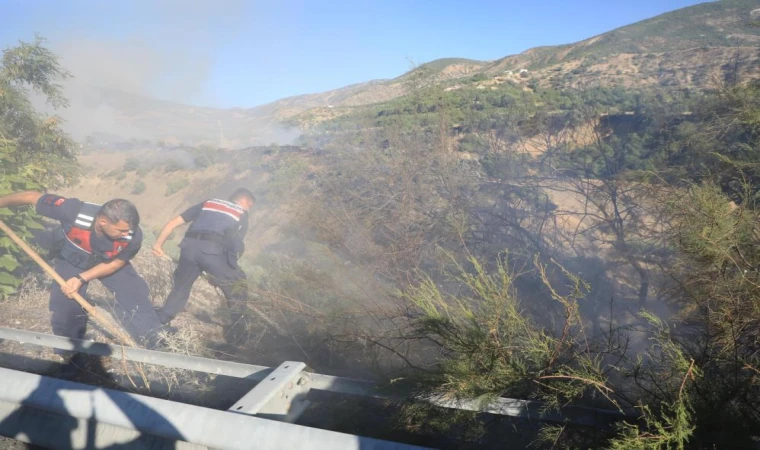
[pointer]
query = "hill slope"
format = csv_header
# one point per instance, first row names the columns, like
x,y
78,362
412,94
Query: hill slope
x,y
691,47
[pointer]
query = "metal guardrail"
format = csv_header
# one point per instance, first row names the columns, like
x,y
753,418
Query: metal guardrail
x,y
504,406
48,411
176,361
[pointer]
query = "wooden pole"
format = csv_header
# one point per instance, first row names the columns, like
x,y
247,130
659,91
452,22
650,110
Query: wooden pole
x,y
102,321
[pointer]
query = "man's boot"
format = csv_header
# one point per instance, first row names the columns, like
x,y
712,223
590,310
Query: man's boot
x,y
163,317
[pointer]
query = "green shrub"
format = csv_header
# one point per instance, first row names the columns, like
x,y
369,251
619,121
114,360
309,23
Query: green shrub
x,y
176,185
205,156
138,188
131,165
172,165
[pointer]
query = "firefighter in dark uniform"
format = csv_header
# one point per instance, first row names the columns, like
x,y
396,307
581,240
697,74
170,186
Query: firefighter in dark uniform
x,y
94,242
212,244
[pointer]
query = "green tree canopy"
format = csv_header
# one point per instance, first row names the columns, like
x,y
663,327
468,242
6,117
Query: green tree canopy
x,y
35,153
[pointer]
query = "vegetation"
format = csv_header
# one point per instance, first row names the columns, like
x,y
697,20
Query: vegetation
x,y
138,188
132,165
176,185
34,152
439,183
442,63
172,165
205,156
471,110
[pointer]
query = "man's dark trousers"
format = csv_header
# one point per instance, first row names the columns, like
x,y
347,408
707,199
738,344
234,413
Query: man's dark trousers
x,y
132,309
199,256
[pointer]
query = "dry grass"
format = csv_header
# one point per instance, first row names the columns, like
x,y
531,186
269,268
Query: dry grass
x,y
187,341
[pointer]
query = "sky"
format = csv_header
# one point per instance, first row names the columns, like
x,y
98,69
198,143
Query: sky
x,y
236,53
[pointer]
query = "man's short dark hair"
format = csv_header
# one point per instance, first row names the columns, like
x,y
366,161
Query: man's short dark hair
x,y
119,209
241,193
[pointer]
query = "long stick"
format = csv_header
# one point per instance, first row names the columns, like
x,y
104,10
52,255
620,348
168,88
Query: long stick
x,y
102,321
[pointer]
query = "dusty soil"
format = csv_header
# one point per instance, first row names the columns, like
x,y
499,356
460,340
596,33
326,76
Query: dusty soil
x,y
12,444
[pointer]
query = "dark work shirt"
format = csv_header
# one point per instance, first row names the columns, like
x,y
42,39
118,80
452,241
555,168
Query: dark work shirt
x,y
192,213
65,210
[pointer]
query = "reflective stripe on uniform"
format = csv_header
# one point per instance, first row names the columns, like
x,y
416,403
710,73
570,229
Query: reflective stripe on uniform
x,y
78,247
220,206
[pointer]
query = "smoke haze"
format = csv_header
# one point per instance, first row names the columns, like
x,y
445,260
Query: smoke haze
x,y
148,79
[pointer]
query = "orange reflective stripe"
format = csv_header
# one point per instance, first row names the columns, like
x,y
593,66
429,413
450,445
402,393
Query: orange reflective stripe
x,y
80,238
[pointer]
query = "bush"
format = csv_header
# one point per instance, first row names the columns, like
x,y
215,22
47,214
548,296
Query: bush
x,y
138,188
131,165
172,165
205,156
491,349
288,174
176,185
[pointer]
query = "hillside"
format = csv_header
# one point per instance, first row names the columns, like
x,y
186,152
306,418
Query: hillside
x,y
691,47
724,23
683,47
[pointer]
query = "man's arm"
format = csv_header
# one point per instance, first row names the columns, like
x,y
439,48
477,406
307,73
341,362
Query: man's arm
x,y
158,249
186,216
98,271
103,269
20,198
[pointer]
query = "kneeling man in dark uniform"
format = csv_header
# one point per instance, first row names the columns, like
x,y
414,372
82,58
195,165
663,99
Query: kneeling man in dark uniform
x,y
213,244
94,242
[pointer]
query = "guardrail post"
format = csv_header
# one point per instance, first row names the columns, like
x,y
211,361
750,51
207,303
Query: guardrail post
x,y
280,396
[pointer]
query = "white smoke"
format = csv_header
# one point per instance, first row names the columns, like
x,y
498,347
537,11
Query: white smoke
x,y
121,84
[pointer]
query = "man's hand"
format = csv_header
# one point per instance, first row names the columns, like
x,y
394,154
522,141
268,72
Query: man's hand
x,y
158,246
71,287
158,250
